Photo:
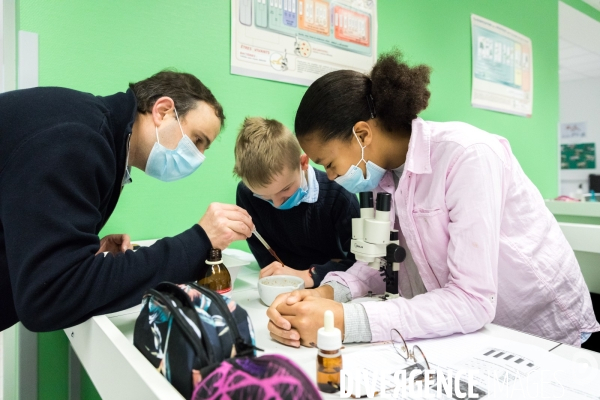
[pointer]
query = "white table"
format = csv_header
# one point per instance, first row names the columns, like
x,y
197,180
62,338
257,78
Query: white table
x,y
104,344
578,355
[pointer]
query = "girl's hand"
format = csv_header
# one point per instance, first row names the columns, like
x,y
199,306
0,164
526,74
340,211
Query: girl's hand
x,y
280,325
306,317
276,268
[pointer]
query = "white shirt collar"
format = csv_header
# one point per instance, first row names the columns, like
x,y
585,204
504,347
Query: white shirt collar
x,y
313,186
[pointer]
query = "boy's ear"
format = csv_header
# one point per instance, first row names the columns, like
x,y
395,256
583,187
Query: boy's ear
x,y
304,162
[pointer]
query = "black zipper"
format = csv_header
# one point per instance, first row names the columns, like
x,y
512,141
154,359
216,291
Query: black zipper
x,y
187,330
241,347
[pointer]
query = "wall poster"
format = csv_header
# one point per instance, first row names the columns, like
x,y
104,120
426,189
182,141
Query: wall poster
x,y
578,156
573,132
502,68
298,41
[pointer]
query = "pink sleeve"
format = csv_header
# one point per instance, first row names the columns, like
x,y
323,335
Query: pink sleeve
x,y
474,196
359,278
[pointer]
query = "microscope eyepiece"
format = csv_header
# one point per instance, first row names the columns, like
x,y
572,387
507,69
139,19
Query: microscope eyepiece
x,y
366,199
384,201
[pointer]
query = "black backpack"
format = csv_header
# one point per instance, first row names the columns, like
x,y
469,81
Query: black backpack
x,y
186,331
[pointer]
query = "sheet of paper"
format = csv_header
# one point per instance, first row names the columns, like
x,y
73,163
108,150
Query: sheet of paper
x,y
503,369
377,360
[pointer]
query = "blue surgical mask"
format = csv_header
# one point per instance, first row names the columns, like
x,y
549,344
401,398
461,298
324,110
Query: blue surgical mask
x,y
294,199
354,181
169,165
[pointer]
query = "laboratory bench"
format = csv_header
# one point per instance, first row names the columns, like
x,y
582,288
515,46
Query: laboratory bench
x,y
584,209
104,345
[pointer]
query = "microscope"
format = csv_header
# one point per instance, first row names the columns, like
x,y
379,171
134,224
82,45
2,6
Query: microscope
x,y
373,240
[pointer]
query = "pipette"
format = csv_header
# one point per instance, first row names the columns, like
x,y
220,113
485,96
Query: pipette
x,y
266,245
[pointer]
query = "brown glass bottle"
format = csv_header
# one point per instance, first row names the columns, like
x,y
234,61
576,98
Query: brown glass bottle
x,y
329,357
329,365
217,276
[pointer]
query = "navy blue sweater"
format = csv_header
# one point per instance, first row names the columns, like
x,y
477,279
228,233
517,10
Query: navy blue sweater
x,y
62,160
310,234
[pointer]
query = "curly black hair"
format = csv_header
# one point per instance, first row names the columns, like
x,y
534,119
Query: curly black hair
x,y
394,93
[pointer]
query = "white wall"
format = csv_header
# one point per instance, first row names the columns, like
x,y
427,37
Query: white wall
x,y
7,46
579,55
580,102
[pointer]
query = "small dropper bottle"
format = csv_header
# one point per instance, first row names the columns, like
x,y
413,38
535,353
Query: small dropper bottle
x,y
329,359
217,276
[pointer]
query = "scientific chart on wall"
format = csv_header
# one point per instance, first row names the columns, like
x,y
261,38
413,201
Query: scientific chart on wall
x,y
298,41
502,68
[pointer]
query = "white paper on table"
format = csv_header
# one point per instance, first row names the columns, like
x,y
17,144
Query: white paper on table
x,y
539,374
376,358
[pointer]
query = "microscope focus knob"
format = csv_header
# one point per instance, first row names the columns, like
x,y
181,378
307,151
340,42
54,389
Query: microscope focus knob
x,y
395,253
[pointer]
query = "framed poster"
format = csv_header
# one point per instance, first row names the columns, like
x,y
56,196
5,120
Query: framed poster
x,y
502,76
298,41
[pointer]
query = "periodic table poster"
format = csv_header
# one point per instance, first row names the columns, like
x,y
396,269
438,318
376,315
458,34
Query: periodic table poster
x,y
298,41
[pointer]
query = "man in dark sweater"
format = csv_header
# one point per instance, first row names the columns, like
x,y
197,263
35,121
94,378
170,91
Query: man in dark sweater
x,y
64,159
305,217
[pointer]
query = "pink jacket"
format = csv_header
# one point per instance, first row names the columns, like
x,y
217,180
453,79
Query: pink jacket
x,y
486,246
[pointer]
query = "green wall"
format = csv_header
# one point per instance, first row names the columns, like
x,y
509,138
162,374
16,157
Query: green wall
x,y
100,46
437,32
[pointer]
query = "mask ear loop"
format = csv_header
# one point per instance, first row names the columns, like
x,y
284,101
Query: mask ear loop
x,y
177,116
156,127
362,149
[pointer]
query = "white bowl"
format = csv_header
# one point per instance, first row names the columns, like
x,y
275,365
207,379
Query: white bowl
x,y
272,286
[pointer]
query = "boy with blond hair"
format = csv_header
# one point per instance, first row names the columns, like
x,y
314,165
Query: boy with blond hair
x,y
305,217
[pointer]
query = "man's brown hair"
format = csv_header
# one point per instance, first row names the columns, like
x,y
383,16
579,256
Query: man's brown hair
x,y
185,90
263,149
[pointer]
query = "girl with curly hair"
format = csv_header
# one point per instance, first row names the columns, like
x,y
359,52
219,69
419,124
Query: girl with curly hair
x,y
481,245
